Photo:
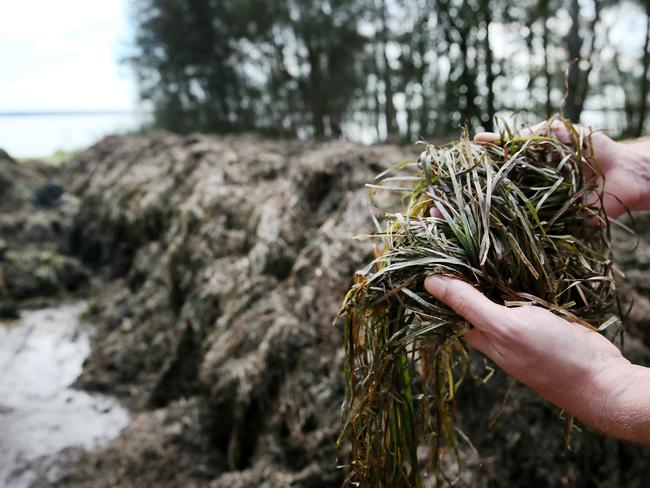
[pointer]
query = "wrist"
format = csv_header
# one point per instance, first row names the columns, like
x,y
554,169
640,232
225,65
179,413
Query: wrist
x,y
618,400
640,166
628,176
582,384
641,145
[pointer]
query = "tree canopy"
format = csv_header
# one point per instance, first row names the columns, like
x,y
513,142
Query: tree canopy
x,y
382,69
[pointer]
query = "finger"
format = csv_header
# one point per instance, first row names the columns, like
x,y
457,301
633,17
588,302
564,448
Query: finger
x,y
434,212
465,300
483,343
476,339
540,128
613,206
579,136
593,200
487,137
543,128
607,152
533,129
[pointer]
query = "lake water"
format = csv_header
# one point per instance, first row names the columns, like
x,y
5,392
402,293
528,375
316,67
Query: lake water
x,y
40,415
41,135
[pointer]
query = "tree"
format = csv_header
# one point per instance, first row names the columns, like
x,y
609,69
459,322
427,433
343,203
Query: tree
x,y
407,69
643,85
578,80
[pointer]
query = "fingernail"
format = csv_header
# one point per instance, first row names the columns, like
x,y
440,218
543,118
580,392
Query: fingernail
x,y
486,137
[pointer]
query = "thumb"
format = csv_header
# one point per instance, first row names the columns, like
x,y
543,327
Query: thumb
x,y
465,300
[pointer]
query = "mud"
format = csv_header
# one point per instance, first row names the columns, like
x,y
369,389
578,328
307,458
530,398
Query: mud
x,y
219,264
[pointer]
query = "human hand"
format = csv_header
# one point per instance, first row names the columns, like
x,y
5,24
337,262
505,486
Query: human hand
x,y
625,168
567,364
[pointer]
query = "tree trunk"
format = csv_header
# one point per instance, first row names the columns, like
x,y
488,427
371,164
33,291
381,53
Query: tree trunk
x,y
408,92
584,81
548,105
643,106
488,124
423,123
315,101
469,111
627,104
423,129
389,108
377,107
571,104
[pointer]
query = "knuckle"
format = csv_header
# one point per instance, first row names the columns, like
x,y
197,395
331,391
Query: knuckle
x,y
530,313
455,297
459,303
526,312
520,315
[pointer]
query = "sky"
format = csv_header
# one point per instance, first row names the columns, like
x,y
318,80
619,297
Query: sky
x,y
64,55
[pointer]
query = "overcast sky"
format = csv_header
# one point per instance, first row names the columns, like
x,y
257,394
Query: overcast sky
x,y
64,55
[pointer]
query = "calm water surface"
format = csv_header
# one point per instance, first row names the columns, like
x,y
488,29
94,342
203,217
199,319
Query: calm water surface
x,y
36,136
40,356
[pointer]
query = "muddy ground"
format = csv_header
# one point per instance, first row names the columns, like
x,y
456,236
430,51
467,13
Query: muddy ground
x,y
214,267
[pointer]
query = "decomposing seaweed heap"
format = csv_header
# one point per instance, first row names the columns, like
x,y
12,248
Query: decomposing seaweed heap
x,y
520,221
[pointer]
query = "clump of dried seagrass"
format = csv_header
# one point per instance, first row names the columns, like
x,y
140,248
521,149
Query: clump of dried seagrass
x,y
513,220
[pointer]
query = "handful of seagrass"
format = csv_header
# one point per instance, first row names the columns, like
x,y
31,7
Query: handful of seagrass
x,y
512,219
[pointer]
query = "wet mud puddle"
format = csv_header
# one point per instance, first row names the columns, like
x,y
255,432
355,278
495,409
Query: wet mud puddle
x,y
41,354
